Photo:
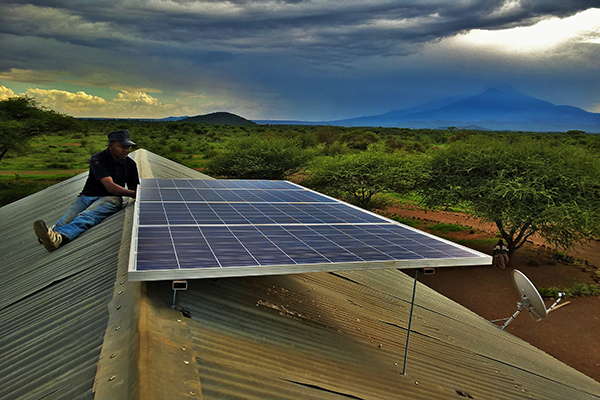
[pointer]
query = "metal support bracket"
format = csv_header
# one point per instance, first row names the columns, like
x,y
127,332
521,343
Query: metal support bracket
x,y
178,285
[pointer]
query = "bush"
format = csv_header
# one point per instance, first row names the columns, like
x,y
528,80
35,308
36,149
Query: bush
x,y
255,158
360,178
550,292
564,258
575,290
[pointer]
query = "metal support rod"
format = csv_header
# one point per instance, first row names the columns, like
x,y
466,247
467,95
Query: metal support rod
x,y
412,304
174,294
520,305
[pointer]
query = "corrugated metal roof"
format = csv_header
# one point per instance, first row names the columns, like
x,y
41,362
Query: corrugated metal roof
x,y
53,305
343,334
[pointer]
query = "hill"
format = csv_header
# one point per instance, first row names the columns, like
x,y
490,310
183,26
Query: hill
x,y
219,118
503,108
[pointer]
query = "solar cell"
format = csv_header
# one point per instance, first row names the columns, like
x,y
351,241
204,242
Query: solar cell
x,y
214,228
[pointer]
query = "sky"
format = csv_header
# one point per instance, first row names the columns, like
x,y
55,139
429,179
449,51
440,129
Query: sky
x,y
311,60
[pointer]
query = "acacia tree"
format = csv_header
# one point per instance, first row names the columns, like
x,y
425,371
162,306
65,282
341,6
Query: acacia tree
x,y
258,158
23,119
358,177
524,187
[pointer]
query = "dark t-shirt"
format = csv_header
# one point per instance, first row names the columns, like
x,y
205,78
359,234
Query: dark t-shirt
x,y
122,172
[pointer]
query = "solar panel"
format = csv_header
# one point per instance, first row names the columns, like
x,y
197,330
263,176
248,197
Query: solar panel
x,y
186,228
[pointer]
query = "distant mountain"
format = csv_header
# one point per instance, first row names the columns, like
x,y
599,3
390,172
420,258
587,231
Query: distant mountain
x,y
219,118
172,119
504,108
167,119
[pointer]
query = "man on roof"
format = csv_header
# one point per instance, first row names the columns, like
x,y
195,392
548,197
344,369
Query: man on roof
x,y
112,175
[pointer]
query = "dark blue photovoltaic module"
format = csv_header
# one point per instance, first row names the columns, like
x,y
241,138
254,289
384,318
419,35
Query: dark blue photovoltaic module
x,y
214,228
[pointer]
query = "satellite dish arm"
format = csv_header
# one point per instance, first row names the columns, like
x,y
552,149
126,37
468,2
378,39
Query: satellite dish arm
x,y
560,297
519,306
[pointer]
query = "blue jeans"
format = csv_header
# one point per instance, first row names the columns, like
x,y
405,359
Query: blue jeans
x,y
85,212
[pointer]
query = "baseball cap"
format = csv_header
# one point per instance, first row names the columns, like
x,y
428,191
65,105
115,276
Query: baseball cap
x,y
121,136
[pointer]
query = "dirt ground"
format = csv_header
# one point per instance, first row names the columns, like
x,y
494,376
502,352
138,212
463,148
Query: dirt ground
x,y
570,333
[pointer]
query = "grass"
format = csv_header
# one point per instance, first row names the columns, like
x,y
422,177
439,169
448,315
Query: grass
x,y
412,199
578,289
15,189
55,152
405,221
404,198
444,229
49,159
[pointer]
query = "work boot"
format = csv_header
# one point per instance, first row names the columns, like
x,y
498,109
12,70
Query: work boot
x,y
49,238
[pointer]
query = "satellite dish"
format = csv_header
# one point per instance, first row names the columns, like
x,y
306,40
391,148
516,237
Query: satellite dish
x,y
529,293
530,299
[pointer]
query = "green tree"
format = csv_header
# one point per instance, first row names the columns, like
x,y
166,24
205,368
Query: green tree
x,y
327,135
359,139
357,178
23,119
258,158
523,186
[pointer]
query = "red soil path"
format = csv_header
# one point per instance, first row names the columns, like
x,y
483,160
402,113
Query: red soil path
x,y
570,333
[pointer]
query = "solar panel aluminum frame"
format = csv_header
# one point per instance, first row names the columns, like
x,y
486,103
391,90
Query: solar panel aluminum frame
x,y
200,272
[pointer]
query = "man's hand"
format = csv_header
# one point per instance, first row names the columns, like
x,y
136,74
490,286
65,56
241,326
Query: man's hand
x,y
115,189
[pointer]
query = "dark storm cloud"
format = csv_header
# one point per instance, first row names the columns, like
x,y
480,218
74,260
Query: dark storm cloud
x,y
340,31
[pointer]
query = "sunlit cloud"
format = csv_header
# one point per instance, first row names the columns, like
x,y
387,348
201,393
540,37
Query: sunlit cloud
x,y
543,36
67,102
508,8
192,95
136,98
6,93
127,104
